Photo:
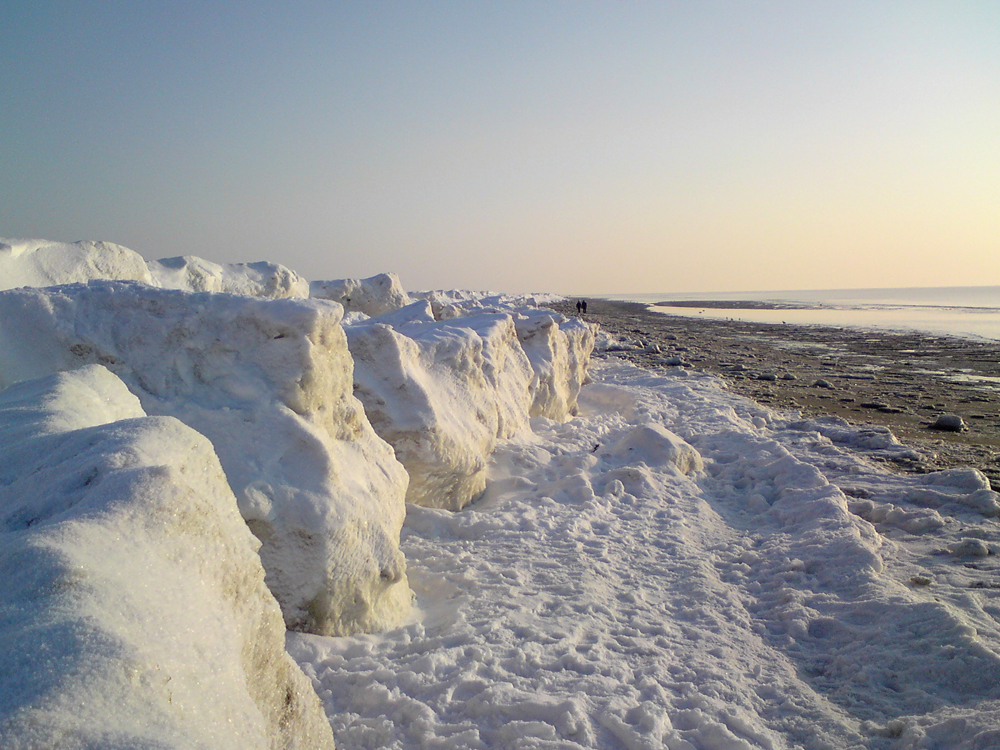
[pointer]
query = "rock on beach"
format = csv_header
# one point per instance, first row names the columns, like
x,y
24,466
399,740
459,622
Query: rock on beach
x,y
950,423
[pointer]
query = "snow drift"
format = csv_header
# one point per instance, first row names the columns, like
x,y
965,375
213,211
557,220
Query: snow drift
x,y
45,263
133,611
372,296
260,279
269,382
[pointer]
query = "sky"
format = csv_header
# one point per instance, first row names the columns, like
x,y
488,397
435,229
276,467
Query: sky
x,y
574,147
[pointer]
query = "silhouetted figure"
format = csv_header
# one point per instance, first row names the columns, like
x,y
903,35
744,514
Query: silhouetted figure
x,y
579,306
583,306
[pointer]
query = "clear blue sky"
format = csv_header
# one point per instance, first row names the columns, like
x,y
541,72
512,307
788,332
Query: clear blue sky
x,y
563,146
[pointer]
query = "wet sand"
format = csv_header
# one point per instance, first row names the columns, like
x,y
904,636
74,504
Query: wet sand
x,y
903,381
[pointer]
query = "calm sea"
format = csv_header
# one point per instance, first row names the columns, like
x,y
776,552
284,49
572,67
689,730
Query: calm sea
x,y
969,311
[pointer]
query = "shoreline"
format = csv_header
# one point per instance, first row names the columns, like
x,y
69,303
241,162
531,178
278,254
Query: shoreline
x,y
900,380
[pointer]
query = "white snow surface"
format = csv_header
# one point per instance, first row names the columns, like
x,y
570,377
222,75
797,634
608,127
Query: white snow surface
x,y
373,296
678,567
26,262
269,382
133,610
261,279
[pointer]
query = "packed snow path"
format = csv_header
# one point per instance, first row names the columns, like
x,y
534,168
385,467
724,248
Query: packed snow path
x,y
607,594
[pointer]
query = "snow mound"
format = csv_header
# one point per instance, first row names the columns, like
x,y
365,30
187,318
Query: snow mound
x,y
415,312
442,394
133,611
875,439
968,487
269,382
191,274
559,350
372,296
655,445
45,263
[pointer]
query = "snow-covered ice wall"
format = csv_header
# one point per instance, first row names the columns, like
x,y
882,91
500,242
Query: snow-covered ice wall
x,y
260,279
133,611
269,382
45,263
27,262
454,303
559,349
373,296
443,392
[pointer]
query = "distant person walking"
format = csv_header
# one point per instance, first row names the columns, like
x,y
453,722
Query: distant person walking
x,y
583,306
579,307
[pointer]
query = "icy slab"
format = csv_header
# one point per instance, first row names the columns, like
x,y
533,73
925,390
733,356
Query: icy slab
x,y
442,394
133,611
192,274
372,296
269,382
25,262
559,350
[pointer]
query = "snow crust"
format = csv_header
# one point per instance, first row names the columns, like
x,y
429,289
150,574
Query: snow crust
x,y
678,567
373,296
262,279
133,611
269,382
26,262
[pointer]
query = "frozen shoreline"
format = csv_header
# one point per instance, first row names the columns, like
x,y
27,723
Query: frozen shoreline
x,y
888,378
962,312
693,548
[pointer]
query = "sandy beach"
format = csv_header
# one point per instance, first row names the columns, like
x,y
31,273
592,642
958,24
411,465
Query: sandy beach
x,y
903,381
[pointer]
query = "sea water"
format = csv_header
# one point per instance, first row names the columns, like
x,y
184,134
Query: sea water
x,y
968,312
